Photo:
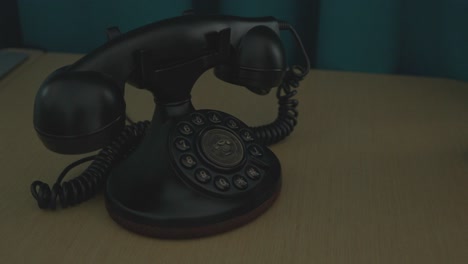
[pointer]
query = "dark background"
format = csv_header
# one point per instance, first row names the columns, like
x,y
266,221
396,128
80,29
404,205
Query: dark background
x,y
417,37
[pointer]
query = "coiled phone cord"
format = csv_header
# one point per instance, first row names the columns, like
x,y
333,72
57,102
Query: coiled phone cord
x,y
287,110
92,180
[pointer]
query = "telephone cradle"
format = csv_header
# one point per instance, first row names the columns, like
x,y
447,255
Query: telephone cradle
x,y
186,173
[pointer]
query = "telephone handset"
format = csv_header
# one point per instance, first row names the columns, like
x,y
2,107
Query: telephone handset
x,y
188,172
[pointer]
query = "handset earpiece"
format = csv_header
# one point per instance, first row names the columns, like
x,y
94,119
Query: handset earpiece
x,y
78,111
259,61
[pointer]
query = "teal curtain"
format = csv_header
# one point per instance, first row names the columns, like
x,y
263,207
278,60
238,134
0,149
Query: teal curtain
x,y
418,37
421,37
79,25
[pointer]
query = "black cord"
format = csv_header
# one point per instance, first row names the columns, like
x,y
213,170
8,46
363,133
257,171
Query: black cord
x,y
285,26
287,111
91,181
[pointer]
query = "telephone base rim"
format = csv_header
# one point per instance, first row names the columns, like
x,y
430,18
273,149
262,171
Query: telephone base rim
x,y
165,232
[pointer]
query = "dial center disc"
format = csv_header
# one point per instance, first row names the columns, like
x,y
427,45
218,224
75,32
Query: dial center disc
x,y
222,147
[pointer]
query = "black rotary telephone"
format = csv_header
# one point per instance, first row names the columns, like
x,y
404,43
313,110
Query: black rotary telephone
x,y
187,173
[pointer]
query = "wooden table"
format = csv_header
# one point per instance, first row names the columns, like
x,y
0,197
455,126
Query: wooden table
x,y
376,172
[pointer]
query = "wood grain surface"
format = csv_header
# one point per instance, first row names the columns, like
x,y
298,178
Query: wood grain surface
x,y
376,172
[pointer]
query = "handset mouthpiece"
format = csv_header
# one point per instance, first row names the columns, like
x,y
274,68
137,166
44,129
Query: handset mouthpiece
x,y
78,112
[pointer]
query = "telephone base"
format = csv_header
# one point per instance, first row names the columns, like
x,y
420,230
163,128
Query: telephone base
x,y
192,176
192,232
